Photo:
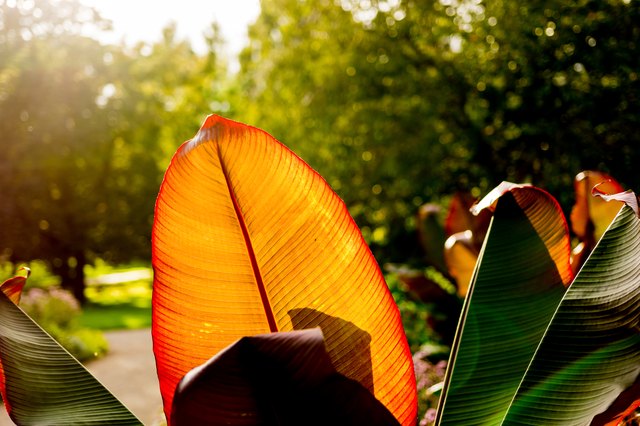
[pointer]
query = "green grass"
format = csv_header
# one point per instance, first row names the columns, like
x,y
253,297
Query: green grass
x,y
118,306
111,306
100,267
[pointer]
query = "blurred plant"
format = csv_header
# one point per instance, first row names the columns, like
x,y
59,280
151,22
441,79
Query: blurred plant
x,y
429,378
417,316
57,312
450,248
465,231
590,216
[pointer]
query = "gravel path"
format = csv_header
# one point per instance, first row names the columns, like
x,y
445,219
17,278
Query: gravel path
x,y
129,372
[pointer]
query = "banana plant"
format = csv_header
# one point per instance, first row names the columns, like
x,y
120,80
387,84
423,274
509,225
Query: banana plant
x,y
268,308
536,344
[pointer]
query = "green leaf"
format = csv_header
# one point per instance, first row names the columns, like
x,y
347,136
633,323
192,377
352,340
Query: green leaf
x,y
591,351
283,378
44,383
518,283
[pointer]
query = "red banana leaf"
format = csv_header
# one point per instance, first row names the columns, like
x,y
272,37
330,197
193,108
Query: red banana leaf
x,y
248,239
466,232
590,216
460,219
461,257
283,378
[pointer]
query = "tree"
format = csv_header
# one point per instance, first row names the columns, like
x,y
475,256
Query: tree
x,y
87,130
398,103
53,135
347,90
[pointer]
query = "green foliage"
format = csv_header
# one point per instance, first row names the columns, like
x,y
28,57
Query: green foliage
x,y
115,317
397,103
394,103
87,130
41,277
57,312
414,314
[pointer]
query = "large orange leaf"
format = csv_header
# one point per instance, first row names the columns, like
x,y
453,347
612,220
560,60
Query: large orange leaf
x,y
247,240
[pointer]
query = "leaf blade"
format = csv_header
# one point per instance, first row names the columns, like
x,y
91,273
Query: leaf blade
x,y
518,282
597,324
309,254
44,383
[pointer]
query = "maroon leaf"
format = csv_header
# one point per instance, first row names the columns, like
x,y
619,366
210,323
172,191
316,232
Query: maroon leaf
x,y
283,378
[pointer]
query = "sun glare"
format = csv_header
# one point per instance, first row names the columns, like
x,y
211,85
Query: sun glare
x,y
143,20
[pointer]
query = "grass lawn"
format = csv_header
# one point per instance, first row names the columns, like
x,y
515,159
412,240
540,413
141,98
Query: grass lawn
x,y
118,306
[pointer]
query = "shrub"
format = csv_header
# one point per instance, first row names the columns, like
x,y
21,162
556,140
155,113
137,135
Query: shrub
x,y
57,312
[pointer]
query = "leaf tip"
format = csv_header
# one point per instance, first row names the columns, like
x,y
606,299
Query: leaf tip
x,y
490,200
628,197
12,287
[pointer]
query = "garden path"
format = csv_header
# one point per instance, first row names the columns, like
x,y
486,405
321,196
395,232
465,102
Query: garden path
x,y
129,372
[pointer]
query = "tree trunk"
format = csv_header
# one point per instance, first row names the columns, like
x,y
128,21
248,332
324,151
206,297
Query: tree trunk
x,y
72,275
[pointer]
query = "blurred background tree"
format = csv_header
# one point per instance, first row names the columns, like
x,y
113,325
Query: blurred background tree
x,y
87,131
396,103
400,102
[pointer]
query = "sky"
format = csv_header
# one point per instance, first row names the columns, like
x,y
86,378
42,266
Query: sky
x,y
143,20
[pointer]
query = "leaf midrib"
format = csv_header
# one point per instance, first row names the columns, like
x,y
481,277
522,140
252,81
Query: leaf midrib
x,y
273,327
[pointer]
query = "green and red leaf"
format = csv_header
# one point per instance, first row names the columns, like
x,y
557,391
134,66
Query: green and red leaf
x,y
247,240
41,382
518,282
538,356
596,325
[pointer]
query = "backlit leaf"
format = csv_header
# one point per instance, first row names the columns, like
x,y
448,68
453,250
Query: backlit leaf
x,y
247,240
461,258
283,378
518,282
461,219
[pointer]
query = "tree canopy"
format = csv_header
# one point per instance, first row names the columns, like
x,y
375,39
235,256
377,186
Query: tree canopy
x,y
87,131
396,103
